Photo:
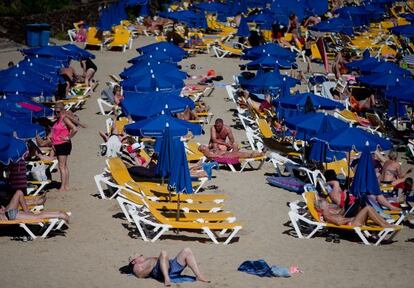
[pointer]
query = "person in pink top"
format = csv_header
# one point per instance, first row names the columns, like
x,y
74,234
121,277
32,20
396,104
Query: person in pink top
x,y
62,131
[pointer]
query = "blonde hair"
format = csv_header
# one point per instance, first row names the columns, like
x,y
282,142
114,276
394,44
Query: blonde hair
x,y
393,155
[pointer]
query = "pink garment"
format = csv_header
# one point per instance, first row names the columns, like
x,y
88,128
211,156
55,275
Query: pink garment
x,y
227,160
60,133
81,35
30,106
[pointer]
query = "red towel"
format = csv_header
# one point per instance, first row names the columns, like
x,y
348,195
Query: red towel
x,y
31,107
227,160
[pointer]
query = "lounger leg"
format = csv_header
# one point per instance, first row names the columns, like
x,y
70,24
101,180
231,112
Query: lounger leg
x,y
164,229
231,236
122,204
98,179
232,168
52,223
202,182
294,220
211,235
139,227
28,231
361,235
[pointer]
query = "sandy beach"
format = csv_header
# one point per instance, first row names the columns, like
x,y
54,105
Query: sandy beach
x,y
98,241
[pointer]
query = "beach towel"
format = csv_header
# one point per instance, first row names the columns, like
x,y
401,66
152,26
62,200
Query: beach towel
x,y
289,183
262,269
227,160
31,107
208,168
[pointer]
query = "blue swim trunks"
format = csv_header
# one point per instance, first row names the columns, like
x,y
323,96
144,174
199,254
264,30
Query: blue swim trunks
x,y
174,271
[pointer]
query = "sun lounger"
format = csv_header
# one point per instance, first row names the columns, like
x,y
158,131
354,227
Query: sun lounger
x,y
122,39
222,51
314,220
92,40
159,224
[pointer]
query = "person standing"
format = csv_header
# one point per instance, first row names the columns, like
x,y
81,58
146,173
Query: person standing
x,y
61,134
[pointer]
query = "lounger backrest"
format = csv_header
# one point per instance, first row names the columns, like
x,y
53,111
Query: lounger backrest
x,y
264,128
310,203
107,93
119,171
120,124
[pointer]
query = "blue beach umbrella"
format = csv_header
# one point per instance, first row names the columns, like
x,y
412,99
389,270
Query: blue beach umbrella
x,y
150,83
404,30
180,178
21,129
243,30
364,62
409,16
321,153
20,85
390,68
338,25
301,100
54,52
165,153
403,93
149,105
158,56
144,71
313,124
11,149
270,61
17,104
353,139
191,18
365,180
78,53
155,126
213,7
384,80
166,47
269,48
268,81
151,65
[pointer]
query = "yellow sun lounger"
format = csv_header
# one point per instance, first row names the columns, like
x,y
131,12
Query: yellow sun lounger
x,y
222,51
92,40
122,39
159,224
363,231
47,225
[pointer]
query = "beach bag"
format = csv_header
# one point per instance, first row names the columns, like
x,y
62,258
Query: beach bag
x,y
289,183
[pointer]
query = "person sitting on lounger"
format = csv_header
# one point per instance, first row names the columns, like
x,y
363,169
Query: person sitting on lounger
x,y
164,269
335,215
217,153
12,212
222,137
187,115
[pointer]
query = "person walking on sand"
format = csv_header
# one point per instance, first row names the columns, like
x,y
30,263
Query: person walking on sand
x,y
163,269
219,134
61,134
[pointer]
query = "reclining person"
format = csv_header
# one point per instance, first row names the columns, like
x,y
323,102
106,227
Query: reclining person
x,y
212,153
335,215
12,212
164,269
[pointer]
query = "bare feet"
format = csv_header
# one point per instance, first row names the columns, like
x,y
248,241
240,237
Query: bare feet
x,y
167,283
65,216
203,279
62,190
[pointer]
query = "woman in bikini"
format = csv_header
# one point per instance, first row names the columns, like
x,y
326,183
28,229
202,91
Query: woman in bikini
x,y
391,171
215,153
333,214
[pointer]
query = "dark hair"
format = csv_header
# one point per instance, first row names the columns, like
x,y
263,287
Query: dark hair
x,y
409,183
292,16
330,175
219,120
334,92
10,64
127,269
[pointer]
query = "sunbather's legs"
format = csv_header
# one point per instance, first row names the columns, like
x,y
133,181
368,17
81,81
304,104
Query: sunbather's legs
x,y
246,154
17,200
45,215
369,212
186,258
35,200
64,173
384,202
89,76
165,266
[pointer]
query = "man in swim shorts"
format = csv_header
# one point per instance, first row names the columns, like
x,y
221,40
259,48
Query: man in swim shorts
x,y
221,137
163,269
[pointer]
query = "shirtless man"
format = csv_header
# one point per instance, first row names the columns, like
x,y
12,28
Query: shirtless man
x,y
219,134
162,268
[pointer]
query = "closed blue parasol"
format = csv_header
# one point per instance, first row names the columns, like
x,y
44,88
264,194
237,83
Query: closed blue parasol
x,y
180,178
148,105
165,152
11,149
365,180
243,30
